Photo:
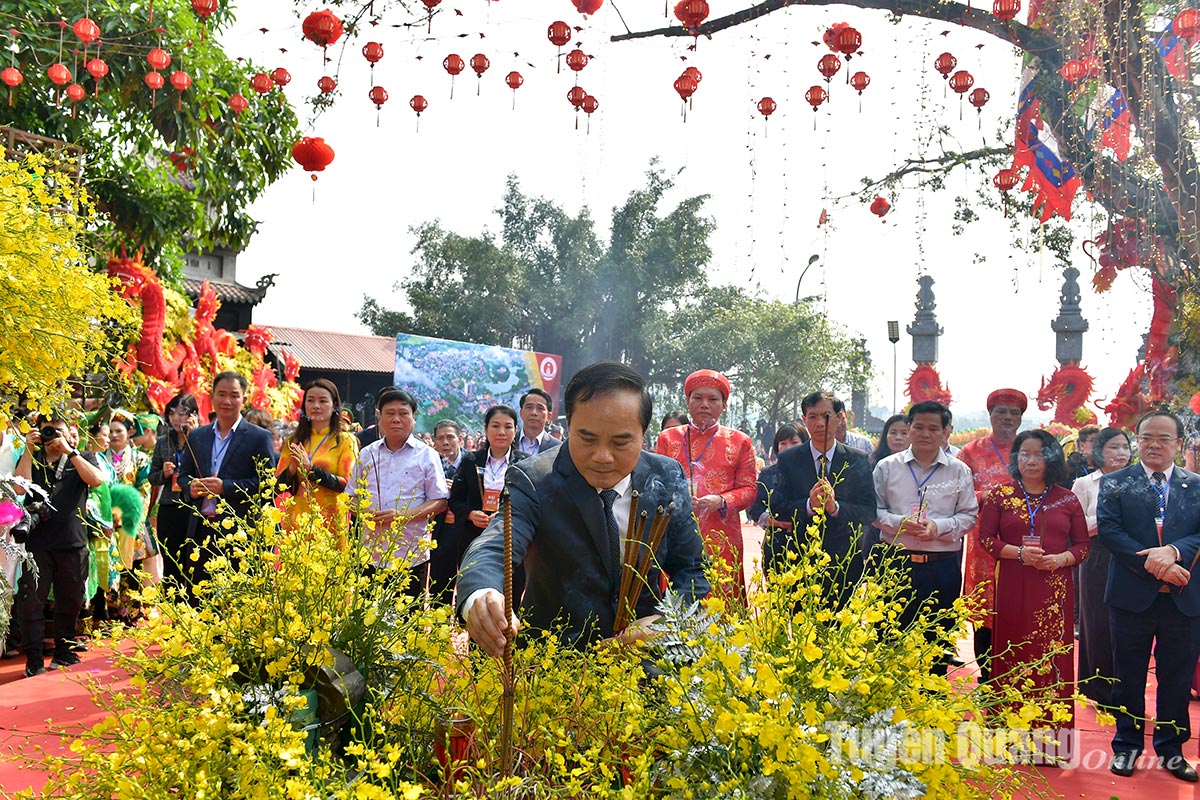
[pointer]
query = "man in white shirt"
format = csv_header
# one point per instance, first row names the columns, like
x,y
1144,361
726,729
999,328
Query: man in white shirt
x,y
536,409
925,503
402,479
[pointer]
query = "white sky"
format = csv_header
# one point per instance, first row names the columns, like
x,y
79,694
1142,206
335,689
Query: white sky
x,y
768,181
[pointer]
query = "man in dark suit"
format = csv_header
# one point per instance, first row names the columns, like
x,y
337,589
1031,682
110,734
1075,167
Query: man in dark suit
x,y
1148,515
570,508
537,408
218,474
824,473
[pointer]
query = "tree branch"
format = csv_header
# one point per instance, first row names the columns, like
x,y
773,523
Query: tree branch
x,y
930,166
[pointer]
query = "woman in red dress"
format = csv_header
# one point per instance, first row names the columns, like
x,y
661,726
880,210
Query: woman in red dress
x,y
1036,530
718,463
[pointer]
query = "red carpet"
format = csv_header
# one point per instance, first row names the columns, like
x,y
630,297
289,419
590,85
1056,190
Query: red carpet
x,y
31,708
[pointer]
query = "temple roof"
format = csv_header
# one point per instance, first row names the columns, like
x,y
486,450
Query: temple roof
x,y
342,352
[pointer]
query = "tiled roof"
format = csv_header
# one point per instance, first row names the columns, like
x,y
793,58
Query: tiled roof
x,y
227,292
348,352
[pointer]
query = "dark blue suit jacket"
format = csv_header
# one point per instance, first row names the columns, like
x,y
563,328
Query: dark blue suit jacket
x,y
249,447
559,534
1125,516
853,486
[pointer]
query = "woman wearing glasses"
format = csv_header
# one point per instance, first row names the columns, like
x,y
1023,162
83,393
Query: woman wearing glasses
x,y
1036,531
183,416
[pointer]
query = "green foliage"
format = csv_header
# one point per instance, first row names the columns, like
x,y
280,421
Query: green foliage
x,y
127,135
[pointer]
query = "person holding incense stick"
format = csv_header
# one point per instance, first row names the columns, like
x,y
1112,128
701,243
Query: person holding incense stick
x,y
720,469
573,512
183,415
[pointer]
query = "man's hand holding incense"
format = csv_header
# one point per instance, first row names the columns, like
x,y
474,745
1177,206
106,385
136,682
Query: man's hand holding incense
x,y
923,530
708,503
638,631
822,496
486,623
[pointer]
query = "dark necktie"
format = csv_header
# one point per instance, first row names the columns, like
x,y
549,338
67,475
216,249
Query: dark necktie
x,y
1159,480
609,496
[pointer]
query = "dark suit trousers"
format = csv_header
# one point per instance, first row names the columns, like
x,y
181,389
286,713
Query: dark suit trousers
x,y
1174,637
935,585
64,571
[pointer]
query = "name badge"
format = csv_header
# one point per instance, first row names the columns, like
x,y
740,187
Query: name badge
x,y
491,500
175,483
916,512
449,517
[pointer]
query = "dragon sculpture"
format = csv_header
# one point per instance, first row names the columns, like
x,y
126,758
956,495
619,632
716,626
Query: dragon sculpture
x,y
924,383
1068,391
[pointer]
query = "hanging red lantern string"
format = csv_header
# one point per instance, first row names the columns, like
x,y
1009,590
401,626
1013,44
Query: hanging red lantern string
x,y
587,7
831,34
575,98
514,81
238,103
453,64
559,33
767,106
86,30
12,78
859,81
577,60
945,64
1186,26
155,81
880,207
828,66
960,82
372,52
262,83
313,154
418,104
479,63
60,76
430,5
158,59
181,81
1073,71
815,96
75,93
281,77
978,98
322,28
97,69
692,14
204,9
685,85
326,84
589,106
1005,180
694,74
378,96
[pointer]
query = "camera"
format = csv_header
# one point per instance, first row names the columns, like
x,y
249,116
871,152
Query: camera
x,y
36,512
49,432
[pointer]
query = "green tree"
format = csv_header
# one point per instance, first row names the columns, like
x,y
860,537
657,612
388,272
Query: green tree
x,y
549,284
168,172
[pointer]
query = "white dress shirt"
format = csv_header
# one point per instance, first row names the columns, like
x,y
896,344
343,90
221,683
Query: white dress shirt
x,y
949,500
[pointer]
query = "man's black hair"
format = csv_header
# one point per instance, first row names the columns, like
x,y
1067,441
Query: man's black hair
x,y
604,377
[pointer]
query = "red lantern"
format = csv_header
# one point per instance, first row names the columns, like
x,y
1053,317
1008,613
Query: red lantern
x,y
76,92
326,84
204,8
816,95
514,81
849,41
322,28
154,80
262,83
313,154
1006,9
589,104
1005,179
694,73
59,74
238,103
378,96
1073,71
372,52
586,7
158,58
577,60
880,207
686,86
831,34
281,77
860,80
575,96
97,69
181,81
431,4
767,106
961,81
559,33
12,78
945,64
829,65
87,30
418,104
692,13
1093,65
1186,24
454,64
480,63
979,98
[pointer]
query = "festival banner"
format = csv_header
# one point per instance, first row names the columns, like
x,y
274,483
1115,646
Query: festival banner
x,y
460,380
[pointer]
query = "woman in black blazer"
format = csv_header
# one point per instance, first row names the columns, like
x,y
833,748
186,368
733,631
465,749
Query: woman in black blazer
x,y
475,495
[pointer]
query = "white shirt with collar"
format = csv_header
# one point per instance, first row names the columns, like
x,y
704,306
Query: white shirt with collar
x,y
948,491
532,446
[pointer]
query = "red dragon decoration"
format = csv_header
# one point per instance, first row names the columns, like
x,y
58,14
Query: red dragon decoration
x,y
139,282
1068,391
924,383
1147,383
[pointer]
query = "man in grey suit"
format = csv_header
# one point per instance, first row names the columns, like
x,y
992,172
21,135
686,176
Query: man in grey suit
x,y
570,508
537,409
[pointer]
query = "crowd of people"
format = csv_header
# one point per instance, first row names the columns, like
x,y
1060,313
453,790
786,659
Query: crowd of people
x,y
1088,554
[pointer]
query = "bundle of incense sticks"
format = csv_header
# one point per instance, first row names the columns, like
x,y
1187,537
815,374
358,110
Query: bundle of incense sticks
x,y
506,700
637,559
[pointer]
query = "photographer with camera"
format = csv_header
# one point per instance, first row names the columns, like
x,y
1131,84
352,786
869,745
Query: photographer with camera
x,y
56,539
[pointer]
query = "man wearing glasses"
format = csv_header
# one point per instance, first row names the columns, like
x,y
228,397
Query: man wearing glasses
x,y
1148,515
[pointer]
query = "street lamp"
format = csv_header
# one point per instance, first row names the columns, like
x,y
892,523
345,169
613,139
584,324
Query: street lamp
x,y
893,337
811,260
